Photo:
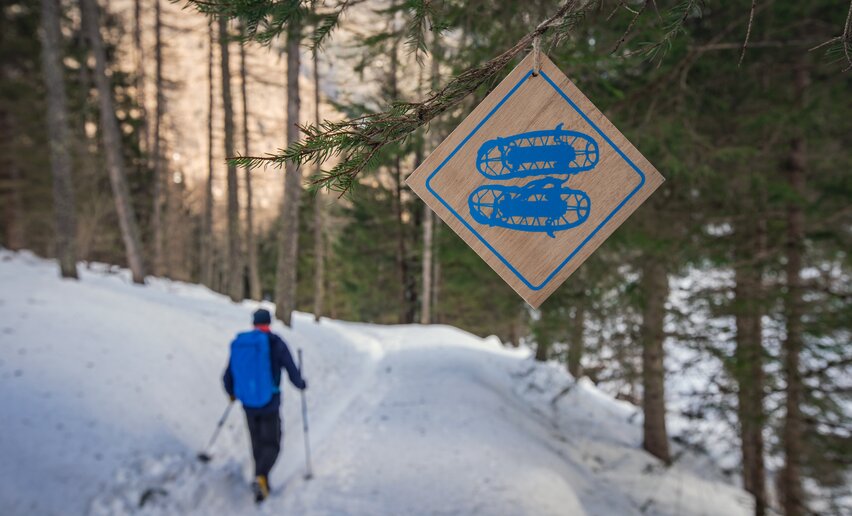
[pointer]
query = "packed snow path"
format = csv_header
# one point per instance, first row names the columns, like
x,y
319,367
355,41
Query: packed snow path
x,y
432,432
110,389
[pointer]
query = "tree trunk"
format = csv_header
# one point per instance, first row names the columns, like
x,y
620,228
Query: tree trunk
x,y
406,310
655,290
251,246
13,204
436,272
140,83
426,295
319,229
543,335
207,220
156,153
576,344
111,136
792,493
58,139
748,367
428,215
288,241
234,266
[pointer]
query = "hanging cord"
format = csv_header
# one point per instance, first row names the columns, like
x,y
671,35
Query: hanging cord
x,y
536,55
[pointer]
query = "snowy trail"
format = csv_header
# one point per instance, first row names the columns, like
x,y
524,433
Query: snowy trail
x,y
110,389
423,437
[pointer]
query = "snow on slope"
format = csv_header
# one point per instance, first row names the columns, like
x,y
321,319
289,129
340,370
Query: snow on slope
x,y
107,391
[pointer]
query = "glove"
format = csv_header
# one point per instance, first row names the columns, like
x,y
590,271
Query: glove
x,y
232,397
304,384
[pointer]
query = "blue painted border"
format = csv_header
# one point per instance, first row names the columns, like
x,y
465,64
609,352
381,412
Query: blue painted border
x,y
592,234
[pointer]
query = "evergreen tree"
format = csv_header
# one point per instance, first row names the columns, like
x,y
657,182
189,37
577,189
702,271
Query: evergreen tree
x,y
207,239
59,138
234,261
318,219
288,245
112,143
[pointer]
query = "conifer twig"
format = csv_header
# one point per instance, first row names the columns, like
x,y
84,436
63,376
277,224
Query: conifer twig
x,y
636,15
845,40
748,32
359,140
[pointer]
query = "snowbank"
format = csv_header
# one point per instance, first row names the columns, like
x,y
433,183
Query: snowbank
x,y
109,389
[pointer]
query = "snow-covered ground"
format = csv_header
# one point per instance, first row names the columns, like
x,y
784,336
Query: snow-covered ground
x,y
108,390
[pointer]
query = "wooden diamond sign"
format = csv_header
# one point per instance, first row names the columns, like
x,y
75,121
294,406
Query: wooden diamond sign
x,y
535,179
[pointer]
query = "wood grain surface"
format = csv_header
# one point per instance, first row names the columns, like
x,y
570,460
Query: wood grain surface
x,y
534,263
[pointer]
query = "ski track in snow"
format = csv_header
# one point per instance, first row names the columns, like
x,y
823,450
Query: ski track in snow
x,y
110,389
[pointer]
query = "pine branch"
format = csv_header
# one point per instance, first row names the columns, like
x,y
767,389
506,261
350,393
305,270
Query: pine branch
x,y
844,41
266,20
358,141
636,15
678,17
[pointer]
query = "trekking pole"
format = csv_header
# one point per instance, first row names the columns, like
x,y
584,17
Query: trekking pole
x,y
308,473
205,456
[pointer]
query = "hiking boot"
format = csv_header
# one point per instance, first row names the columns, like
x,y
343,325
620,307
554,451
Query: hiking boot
x,y
260,486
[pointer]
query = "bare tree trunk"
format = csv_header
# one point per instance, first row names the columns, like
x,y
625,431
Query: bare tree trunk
x,y
207,220
13,204
748,367
59,139
428,232
543,333
251,246
655,290
288,241
112,144
436,273
156,153
428,215
792,493
235,269
319,229
406,313
140,83
576,344
542,349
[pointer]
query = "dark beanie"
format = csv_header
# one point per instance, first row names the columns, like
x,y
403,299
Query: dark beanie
x,y
261,317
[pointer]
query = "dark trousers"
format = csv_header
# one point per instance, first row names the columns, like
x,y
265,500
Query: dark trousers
x,y
265,431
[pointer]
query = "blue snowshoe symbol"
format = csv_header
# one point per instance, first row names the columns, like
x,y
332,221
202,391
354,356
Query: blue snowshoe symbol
x,y
543,206
537,153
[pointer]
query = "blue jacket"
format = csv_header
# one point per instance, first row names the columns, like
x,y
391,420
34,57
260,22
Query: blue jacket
x,y
280,358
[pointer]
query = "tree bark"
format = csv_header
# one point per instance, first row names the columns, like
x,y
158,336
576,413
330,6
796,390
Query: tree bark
x,y
140,84
207,219
406,309
748,366
111,136
428,215
436,272
655,290
544,335
58,139
576,344
160,185
13,204
319,229
792,493
235,270
288,241
251,246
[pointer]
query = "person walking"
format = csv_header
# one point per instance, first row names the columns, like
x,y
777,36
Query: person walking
x,y
253,376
